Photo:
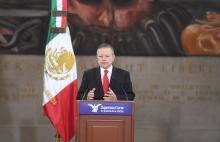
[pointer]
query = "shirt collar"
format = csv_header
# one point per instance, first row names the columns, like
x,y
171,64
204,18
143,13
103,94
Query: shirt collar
x,y
109,69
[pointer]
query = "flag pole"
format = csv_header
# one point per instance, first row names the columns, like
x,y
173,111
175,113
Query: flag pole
x,y
57,81
57,137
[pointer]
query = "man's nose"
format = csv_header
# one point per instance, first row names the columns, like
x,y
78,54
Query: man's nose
x,y
104,58
105,14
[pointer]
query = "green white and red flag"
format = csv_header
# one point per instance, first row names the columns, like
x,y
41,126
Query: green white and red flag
x,y
60,74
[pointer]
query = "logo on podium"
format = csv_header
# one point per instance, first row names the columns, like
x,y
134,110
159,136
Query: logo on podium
x,y
94,107
105,108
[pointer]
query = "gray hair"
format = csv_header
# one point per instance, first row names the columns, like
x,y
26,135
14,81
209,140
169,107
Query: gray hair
x,y
105,45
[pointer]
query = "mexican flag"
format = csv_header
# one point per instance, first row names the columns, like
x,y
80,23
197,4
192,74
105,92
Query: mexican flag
x,y
60,74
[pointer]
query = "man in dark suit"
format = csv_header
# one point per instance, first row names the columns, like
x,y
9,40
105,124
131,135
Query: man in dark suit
x,y
106,82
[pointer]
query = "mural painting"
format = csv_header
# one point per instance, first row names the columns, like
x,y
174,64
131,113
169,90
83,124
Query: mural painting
x,y
133,27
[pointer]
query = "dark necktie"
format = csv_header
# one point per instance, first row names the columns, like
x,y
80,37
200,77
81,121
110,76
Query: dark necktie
x,y
105,82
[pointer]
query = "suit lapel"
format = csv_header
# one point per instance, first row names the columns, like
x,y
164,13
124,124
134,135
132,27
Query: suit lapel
x,y
113,77
98,83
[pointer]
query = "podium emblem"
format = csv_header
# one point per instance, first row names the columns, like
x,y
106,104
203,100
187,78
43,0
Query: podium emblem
x,y
94,107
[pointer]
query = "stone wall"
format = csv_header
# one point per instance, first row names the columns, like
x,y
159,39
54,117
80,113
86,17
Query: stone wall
x,y
177,98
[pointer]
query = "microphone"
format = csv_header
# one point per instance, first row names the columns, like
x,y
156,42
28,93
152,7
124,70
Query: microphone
x,y
85,94
126,95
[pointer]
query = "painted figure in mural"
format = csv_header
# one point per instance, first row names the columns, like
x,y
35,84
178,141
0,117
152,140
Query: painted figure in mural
x,y
22,26
133,27
109,15
203,38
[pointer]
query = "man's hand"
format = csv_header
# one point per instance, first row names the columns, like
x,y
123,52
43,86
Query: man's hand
x,y
91,95
110,96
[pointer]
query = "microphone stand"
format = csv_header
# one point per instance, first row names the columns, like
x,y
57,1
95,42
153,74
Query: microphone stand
x,y
126,95
85,94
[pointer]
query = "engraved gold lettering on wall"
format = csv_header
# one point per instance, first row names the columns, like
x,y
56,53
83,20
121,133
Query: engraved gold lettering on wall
x,y
132,67
84,66
21,78
164,79
189,68
179,92
3,66
181,83
27,91
19,66
5,94
13,92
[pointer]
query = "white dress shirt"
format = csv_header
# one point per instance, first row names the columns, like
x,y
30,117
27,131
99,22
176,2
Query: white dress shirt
x,y
109,73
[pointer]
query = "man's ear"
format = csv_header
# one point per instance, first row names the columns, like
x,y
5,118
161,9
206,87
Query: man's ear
x,y
114,57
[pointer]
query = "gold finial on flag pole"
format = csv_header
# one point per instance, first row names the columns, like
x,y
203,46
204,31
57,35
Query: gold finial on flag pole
x,y
57,137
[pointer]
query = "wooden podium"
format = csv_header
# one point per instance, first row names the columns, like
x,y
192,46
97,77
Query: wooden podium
x,y
101,121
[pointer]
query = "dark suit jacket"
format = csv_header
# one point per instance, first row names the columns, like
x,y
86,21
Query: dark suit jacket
x,y
120,83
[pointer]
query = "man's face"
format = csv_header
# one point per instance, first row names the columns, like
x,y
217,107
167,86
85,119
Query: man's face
x,y
109,15
105,57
